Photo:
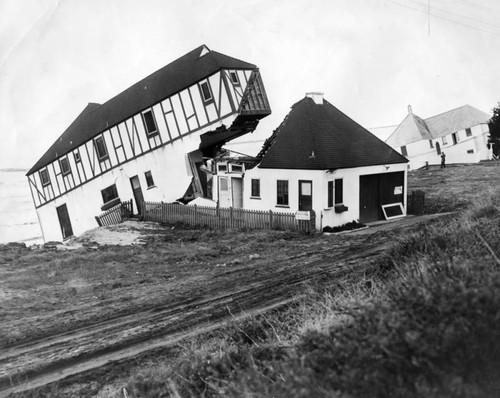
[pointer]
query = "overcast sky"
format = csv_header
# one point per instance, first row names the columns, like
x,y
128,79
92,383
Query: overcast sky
x,y
371,58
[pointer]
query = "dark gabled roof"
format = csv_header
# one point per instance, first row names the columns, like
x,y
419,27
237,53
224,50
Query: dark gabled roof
x,y
181,73
320,137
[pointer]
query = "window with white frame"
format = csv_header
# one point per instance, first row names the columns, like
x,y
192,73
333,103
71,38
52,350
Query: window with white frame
x,y
206,92
282,192
100,148
234,77
44,177
255,188
149,179
445,140
65,167
149,123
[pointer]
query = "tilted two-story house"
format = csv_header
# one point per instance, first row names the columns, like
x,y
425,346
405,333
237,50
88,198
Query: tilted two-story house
x,y
320,159
461,133
149,142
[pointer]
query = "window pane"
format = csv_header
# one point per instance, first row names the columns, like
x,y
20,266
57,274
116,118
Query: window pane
x,y
256,187
207,95
65,169
339,191
150,122
282,192
149,179
330,193
101,148
468,132
223,184
109,193
234,78
44,177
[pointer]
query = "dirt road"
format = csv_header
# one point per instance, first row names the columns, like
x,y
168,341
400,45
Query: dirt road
x,y
175,295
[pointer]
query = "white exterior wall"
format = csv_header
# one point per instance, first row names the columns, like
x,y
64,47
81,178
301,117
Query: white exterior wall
x,y
180,119
325,216
420,152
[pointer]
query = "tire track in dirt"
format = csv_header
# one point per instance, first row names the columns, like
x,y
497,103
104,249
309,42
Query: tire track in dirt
x,y
33,364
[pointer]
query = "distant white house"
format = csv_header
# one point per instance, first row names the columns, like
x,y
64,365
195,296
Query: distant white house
x,y
148,143
462,134
319,159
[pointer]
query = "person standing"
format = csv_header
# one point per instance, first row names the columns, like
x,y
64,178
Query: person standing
x,y
443,160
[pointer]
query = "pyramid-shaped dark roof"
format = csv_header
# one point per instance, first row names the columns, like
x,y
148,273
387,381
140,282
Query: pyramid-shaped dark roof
x,y
320,137
172,78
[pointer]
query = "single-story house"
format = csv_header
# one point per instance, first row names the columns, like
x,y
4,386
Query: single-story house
x,y
320,159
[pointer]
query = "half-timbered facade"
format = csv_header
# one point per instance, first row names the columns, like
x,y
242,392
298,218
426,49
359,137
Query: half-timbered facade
x,y
150,142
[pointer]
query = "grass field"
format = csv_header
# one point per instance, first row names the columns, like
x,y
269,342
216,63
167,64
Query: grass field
x,y
407,310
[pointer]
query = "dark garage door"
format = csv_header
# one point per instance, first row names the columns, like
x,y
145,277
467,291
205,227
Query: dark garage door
x,y
376,190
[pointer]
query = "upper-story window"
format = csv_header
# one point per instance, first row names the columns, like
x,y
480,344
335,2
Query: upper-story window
x,y
100,148
430,143
404,151
468,132
77,157
455,138
205,91
65,167
44,177
445,140
234,78
149,123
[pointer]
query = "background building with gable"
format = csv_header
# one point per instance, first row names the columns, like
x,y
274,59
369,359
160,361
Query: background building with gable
x,y
461,133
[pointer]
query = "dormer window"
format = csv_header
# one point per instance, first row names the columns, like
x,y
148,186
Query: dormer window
x,y
206,92
44,177
149,123
100,148
234,78
65,167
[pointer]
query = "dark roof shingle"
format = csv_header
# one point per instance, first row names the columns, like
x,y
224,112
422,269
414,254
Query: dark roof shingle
x,y
320,137
161,84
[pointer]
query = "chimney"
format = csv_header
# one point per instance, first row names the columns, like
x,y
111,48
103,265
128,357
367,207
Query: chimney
x,y
316,96
410,111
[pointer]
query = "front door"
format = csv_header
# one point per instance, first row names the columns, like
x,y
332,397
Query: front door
x,y
224,192
368,198
376,190
136,188
62,214
237,192
305,195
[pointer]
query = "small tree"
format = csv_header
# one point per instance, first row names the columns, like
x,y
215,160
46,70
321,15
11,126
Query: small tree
x,y
494,126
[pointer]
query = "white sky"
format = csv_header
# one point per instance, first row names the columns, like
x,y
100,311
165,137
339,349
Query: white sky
x,y
371,58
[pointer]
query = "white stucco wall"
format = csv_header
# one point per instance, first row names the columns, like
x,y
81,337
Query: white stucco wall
x,y
420,152
324,215
169,171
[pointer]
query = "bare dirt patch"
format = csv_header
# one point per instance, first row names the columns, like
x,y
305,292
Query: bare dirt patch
x,y
65,311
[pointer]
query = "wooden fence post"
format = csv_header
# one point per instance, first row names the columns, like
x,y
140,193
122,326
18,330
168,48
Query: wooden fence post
x,y
270,219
